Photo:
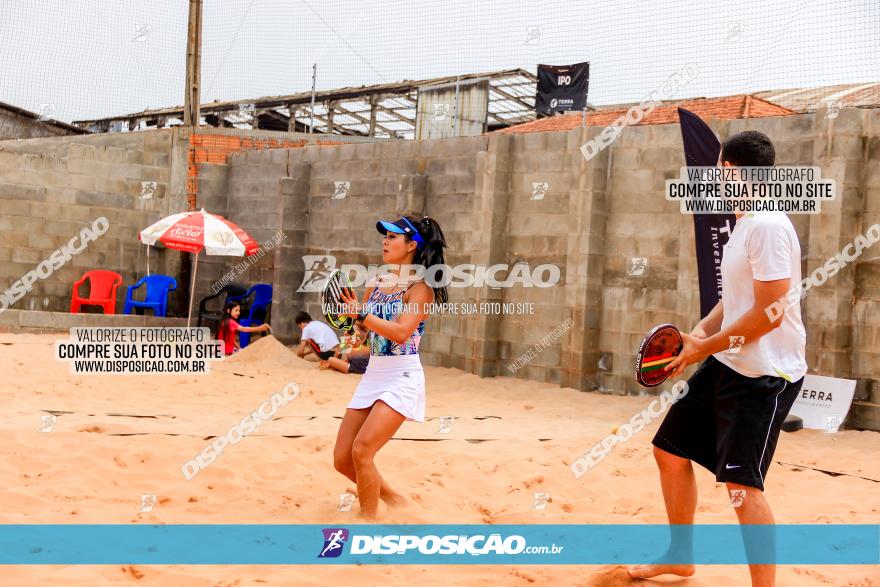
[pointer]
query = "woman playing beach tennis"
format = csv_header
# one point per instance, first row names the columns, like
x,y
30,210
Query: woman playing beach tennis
x,y
392,389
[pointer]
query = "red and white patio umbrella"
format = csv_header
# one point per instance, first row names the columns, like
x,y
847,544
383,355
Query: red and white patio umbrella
x,y
193,232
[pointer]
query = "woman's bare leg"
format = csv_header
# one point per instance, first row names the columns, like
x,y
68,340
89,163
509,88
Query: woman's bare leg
x,y
348,430
377,429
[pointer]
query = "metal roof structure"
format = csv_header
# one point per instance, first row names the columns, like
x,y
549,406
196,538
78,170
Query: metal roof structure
x,y
864,95
383,110
44,118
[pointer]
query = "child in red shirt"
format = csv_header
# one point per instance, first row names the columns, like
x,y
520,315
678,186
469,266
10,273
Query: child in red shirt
x,y
229,326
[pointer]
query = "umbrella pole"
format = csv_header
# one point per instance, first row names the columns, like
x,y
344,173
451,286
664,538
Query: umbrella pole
x,y
148,260
192,289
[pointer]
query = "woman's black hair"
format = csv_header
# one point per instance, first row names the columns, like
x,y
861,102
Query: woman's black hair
x,y
227,316
431,254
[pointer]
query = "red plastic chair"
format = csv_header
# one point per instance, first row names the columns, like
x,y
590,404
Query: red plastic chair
x,y
102,284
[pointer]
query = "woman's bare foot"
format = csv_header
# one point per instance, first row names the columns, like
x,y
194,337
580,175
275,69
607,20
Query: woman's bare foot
x,y
324,365
646,571
395,501
366,517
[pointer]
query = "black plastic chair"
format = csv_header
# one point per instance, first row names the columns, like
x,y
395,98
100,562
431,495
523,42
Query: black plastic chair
x,y
259,303
232,291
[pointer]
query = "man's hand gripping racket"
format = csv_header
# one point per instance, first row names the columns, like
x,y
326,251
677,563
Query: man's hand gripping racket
x,y
666,352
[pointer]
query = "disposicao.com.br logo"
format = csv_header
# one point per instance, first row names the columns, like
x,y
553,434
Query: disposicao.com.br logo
x,y
410,544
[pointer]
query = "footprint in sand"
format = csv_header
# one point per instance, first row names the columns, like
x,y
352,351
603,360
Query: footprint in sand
x,y
91,429
814,575
133,571
626,511
628,453
612,576
488,516
536,480
521,575
287,500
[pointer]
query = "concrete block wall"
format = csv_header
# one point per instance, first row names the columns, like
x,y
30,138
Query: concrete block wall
x,y
51,188
591,219
249,196
838,315
213,197
292,190
863,335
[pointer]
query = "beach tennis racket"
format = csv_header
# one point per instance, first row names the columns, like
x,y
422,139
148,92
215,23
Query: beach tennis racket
x,y
658,349
331,301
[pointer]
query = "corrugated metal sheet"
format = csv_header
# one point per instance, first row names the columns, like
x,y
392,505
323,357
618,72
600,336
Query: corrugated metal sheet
x,y
865,95
452,110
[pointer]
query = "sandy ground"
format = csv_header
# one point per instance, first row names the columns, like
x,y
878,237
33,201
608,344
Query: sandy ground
x,y
118,437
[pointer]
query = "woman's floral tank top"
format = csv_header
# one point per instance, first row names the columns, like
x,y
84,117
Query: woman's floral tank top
x,y
388,307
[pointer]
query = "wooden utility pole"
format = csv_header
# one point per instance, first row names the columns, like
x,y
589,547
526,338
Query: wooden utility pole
x,y
191,101
312,108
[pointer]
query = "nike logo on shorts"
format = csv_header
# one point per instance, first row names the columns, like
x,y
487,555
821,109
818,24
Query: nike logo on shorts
x,y
729,466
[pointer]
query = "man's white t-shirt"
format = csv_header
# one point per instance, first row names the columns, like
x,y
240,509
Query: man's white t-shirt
x,y
763,246
321,334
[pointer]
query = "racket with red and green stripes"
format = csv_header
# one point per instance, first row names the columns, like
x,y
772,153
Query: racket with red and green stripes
x,y
658,349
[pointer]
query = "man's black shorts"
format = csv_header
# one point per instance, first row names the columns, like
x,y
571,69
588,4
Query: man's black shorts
x,y
323,355
728,423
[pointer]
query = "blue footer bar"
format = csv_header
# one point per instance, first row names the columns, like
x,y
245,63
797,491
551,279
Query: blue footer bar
x,y
428,544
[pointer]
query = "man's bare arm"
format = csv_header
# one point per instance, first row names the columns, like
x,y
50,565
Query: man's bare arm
x,y
751,326
711,324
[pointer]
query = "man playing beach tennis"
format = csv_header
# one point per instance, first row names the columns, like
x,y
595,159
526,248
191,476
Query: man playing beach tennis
x,y
737,400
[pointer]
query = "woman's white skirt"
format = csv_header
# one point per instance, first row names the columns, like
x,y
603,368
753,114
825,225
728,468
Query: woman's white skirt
x,y
399,381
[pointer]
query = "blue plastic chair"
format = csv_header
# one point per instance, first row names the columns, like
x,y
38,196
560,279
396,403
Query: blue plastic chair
x,y
257,310
156,297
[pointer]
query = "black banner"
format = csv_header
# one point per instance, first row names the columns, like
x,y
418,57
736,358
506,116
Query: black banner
x,y
561,88
711,231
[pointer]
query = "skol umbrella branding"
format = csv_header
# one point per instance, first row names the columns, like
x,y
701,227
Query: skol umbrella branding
x,y
194,232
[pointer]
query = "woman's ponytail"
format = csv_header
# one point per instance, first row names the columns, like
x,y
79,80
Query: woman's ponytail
x,y
431,254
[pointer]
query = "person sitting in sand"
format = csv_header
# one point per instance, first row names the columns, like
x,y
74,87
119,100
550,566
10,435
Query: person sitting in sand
x,y
229,326
353,355
317,338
